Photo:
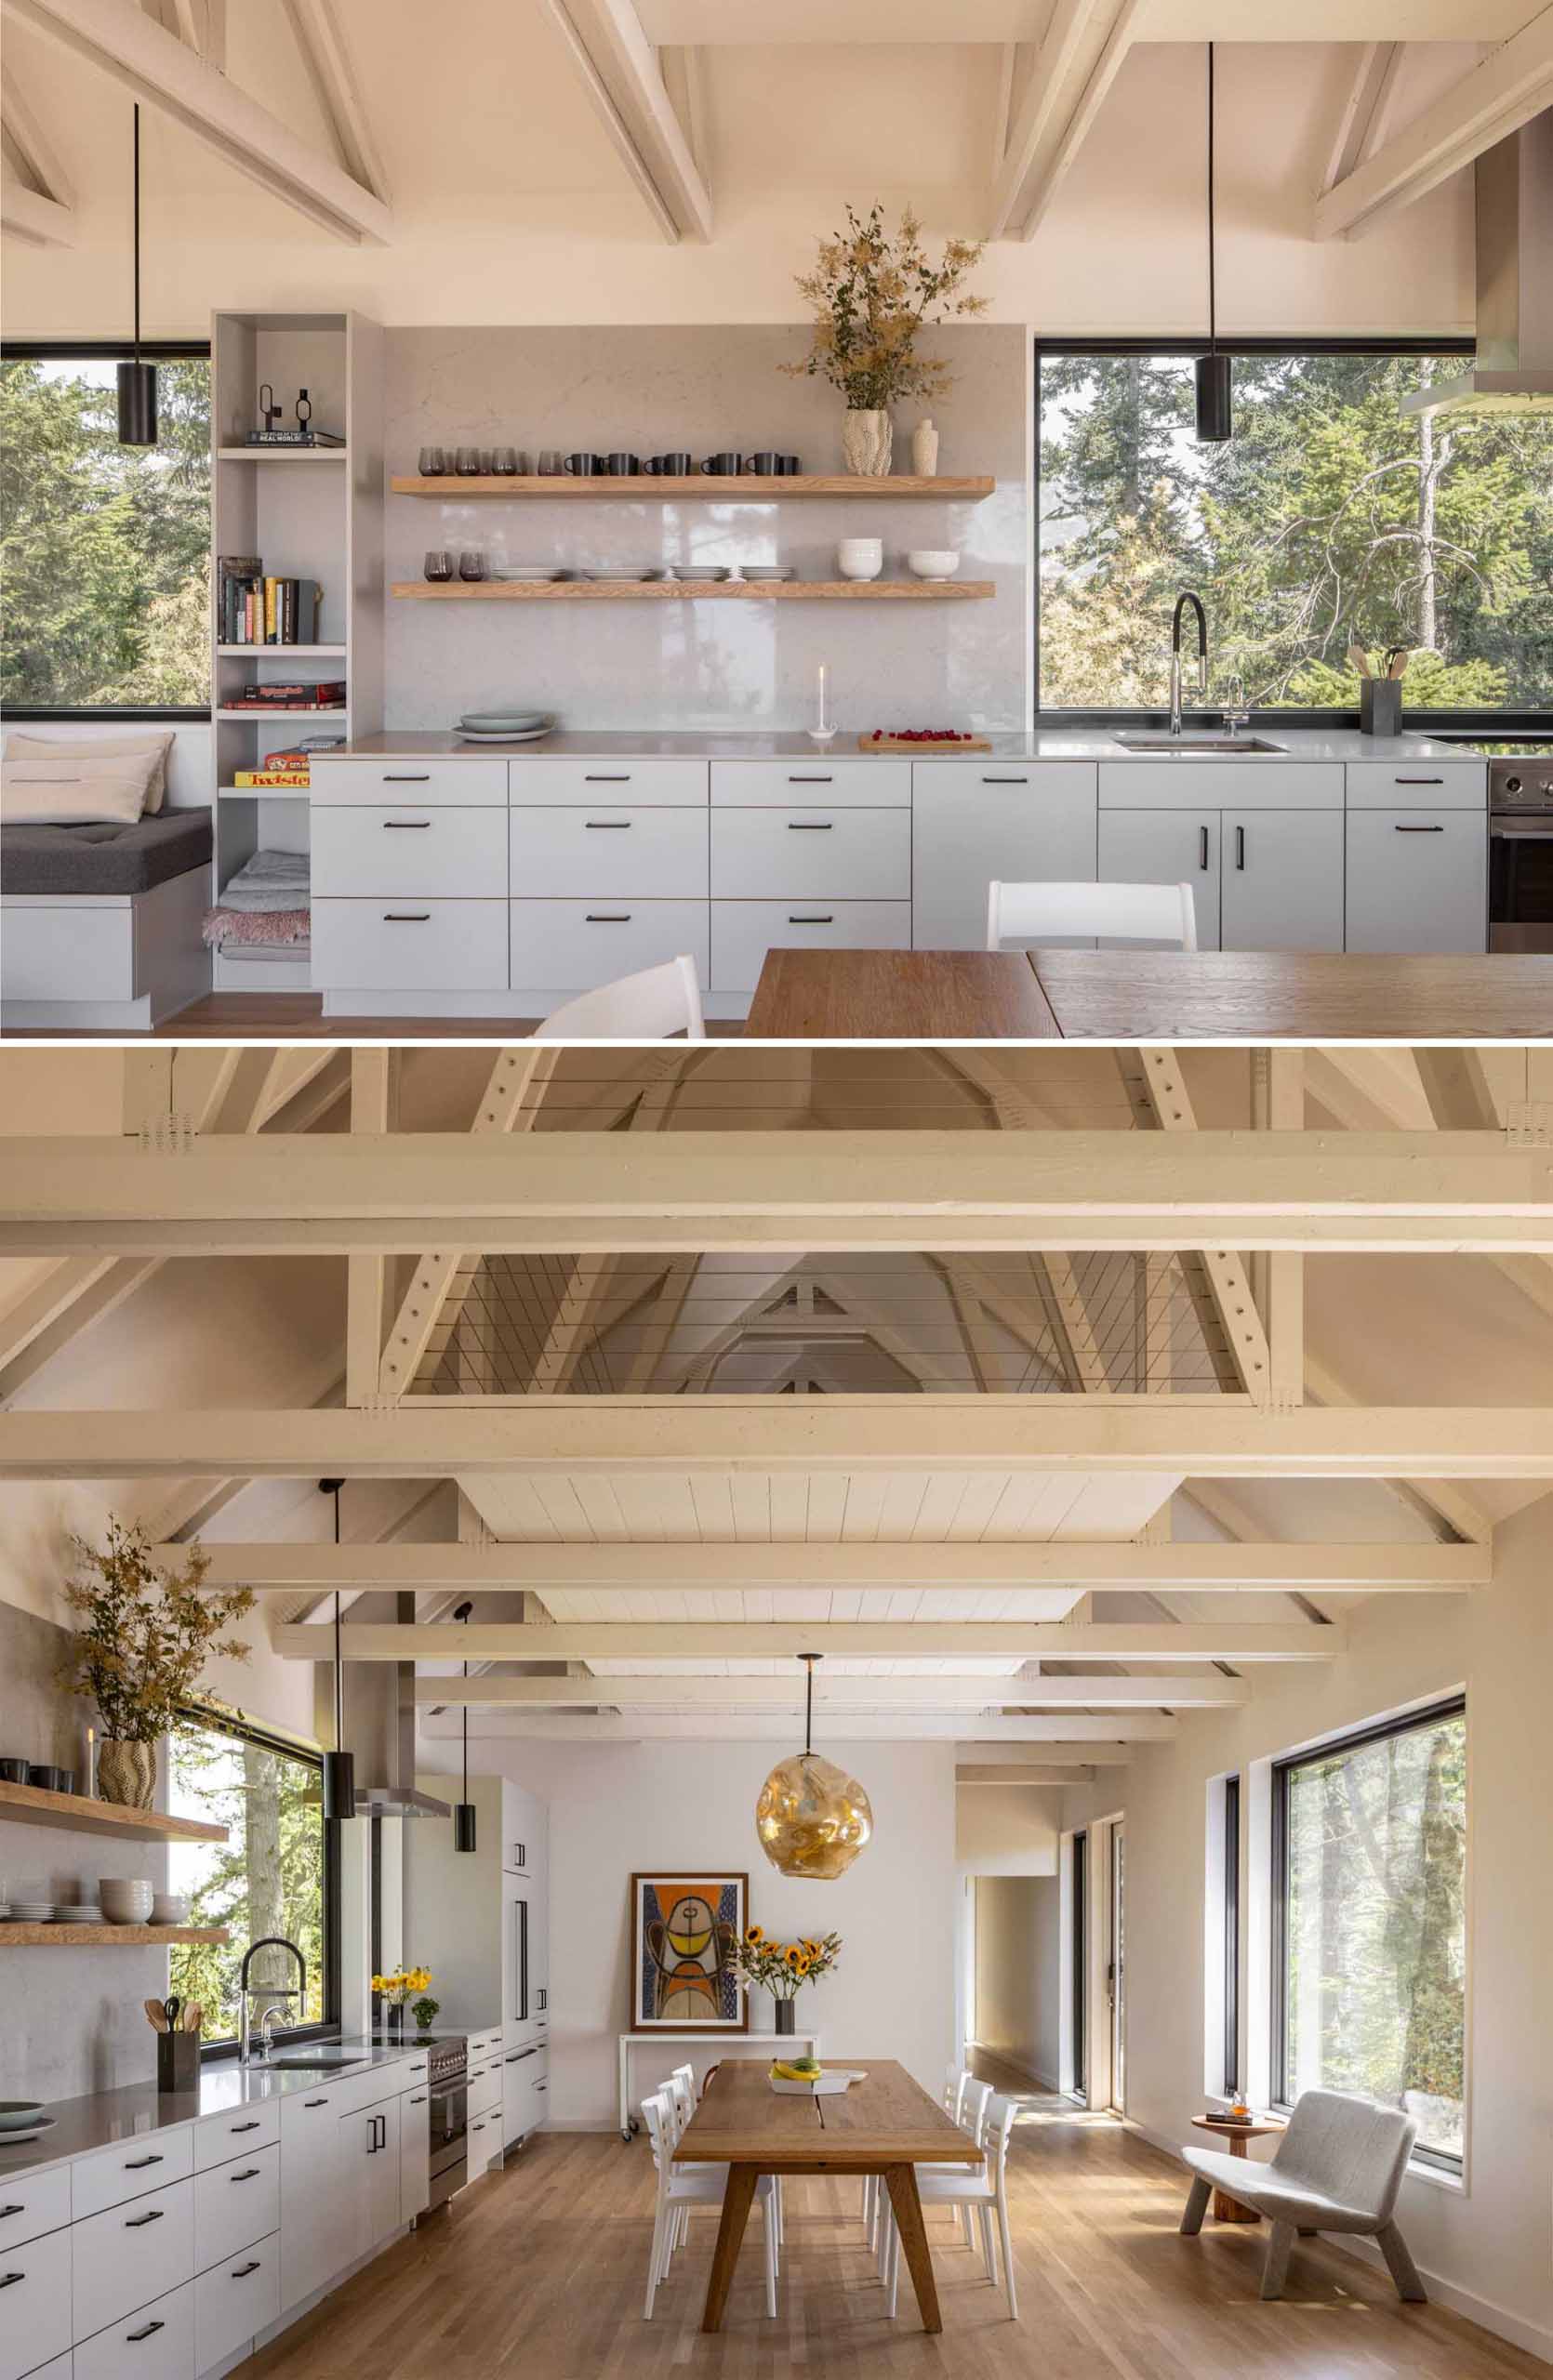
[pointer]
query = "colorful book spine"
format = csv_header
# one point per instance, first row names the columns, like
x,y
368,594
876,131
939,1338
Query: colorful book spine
x,y
271,776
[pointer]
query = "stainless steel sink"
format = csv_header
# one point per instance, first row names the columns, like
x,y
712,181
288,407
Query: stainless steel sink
x,y
1226,744
298,2062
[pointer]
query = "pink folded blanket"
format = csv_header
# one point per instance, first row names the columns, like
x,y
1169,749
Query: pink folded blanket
x,y
257,925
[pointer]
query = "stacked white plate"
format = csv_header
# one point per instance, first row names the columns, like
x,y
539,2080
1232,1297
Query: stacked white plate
x,y
32,1912
505,726
631,573
767,570
74,1913
540,573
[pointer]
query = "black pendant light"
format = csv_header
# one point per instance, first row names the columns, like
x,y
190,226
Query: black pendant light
x,y
340,1766
463,1815
136,380
1212,369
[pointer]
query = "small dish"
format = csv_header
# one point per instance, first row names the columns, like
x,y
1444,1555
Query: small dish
x,y
502,722
768,570
502,736
534,573
28,2131
929,562
14,2113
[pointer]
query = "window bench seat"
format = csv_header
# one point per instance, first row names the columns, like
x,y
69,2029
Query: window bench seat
x,y
100,925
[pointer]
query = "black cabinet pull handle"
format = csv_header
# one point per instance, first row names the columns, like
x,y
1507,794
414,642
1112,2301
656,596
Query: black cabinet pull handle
x,y
1239,847
1006,780
9,2280
241,2272
136,2164
406,917
249,2173
245,2127
405,825
811,921
1202,847
792,780
149,2333
604,918
606,825
810,826
624,778
420,2102
1420,780
424,778
1417,830
17,2206
315,2103
418,2069
138,2222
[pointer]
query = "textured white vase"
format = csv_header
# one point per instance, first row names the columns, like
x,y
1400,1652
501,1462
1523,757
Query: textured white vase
x,y
924,451
866,441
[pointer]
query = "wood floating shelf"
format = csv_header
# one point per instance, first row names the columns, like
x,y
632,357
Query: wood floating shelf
x,y
697,590
280,454
29,1806
279,710
746,487
75,1937
281,651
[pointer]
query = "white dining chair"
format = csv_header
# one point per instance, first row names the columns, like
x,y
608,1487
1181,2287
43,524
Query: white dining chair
x,y
980,2191
1027,914
680,2088
651,1005
972,2100
681,2187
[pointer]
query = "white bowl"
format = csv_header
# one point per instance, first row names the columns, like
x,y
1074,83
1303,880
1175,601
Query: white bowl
x,y
126,1901
860,557
927,561
169,1909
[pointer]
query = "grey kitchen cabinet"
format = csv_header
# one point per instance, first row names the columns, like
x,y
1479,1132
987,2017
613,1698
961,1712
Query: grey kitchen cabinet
x,y
1417,880
1166,847
1280,878
1021,821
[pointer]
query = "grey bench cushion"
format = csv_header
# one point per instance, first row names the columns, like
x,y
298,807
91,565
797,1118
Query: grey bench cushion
x,y
1262,2186
103,857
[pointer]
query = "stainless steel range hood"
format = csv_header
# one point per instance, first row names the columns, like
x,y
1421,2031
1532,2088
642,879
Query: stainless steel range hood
x,y
398,1798
1512,371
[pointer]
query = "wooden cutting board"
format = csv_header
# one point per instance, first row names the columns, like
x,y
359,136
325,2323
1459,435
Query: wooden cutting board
x,y
922,744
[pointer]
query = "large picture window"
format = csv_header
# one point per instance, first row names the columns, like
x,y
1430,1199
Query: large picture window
x,y
1370,1952
274,1876
1328,517
105,548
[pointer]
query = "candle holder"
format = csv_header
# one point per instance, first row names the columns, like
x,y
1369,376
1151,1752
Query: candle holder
x,y
824,729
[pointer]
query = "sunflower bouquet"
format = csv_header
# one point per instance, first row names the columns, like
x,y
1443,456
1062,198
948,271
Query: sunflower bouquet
x,y
780,1967
396,1988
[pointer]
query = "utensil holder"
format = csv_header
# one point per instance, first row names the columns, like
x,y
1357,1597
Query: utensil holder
x,y
1380,706
178,2061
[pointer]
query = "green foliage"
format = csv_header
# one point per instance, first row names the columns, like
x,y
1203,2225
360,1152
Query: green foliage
x,y
147,1633
1328,517
870,292
104,549
425,2011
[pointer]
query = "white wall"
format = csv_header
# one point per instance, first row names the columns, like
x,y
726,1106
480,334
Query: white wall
x,y
1047,2060
615,1808
1485,2246
1007,1830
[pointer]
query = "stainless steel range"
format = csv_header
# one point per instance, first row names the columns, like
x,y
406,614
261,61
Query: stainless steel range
x,y
448,2080
1520,840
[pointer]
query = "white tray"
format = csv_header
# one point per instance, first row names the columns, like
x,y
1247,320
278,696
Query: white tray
x,y
834,2079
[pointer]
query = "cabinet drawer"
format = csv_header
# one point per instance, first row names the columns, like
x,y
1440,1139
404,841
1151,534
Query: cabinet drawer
x,y
1031,821
603,850
154,2343
1417,880
409,944
34,2304
823,853
742,932
1189,783
571,946
246,2128
30,2207
237,2300
768,785
485,2044
484,2090
304,2119
130,2254
481,783
82,951
411,2076
665,783
1418,785
148,2161
236,2203
454,854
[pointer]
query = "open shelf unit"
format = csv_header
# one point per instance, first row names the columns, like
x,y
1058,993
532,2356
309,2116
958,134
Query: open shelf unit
x,y
695,591
748,488
76,1937
327,528
29,1806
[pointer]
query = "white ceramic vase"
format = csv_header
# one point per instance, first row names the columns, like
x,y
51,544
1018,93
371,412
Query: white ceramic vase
x,y
924,451
867,438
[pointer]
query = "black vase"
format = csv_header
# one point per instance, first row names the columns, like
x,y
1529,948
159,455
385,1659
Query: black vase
x,y
394,2015
787,2017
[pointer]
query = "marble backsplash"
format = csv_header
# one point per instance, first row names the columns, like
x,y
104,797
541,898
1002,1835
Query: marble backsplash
x,y
728,666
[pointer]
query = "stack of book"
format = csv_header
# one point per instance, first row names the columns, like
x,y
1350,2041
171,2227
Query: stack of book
x,y
292,768
295,694
254,608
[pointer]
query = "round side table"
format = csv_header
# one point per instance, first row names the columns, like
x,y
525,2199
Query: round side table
x,y
1228,2209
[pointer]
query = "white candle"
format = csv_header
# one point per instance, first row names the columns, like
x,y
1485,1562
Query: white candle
x,y
824,681
91,1762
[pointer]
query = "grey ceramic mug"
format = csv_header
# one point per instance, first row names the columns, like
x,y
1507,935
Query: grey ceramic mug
x,y
584,467
676,466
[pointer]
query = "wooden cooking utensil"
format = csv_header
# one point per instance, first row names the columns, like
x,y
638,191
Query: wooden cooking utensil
x,y
192,2018
1397,666
158,2015
1359,659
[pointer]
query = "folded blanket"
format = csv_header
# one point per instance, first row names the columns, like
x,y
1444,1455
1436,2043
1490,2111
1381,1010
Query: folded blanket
x,y
227,924
269,881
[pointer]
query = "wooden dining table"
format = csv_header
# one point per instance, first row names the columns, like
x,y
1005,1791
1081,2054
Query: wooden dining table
x,y
1149,996
885,2124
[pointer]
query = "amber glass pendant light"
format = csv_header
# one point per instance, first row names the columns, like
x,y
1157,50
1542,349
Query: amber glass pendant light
x,y
812,1817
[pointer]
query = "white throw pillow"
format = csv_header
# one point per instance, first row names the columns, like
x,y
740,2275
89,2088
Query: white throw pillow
x,y
36,791
107,748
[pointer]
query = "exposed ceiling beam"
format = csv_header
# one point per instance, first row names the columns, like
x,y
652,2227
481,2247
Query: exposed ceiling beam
x,y
743,1640
1362,123
1493,99
327,56
627,64
160,72
620,135
31,142
1220,1440
1211,1691
741,1193
1086,42
72,1306
994,1772
28,215
1018,1757
1049,1730
374,1088
961,1567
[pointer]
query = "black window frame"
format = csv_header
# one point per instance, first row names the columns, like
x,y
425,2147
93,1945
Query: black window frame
x,y
245,1730
1450,1706
1080,1977
1465,724
1232,1932
110,350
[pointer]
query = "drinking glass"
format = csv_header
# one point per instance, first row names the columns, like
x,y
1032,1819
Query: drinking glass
x,y
487,465
507,462
552,467
433,462
472,563
439,564
469,462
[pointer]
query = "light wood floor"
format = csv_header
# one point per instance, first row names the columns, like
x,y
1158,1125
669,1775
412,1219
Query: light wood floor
x,y
538,2272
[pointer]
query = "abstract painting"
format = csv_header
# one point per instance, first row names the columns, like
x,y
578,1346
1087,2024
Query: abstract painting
x,y
683,1928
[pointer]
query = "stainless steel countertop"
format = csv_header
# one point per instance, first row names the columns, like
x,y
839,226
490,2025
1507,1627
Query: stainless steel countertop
x,y
1304,744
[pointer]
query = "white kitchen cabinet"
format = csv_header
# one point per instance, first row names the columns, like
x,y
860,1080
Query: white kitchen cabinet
x,y
415,2152
128,2254
601,851
519,2067
775,785
842,854
131,2168
390,855
486,1919
1029,822
236,2203
411,944
219,2138
235,2300
742,932
1166,847
314,2230
451,782
572,946
154,2343
58,2367
1280,879
1203,781
34,2302
369,2176
665,783
32,2203
1418,785
1417,880
483,2145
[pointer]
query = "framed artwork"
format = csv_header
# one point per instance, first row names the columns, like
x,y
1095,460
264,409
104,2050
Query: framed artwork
x,y
683,1928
